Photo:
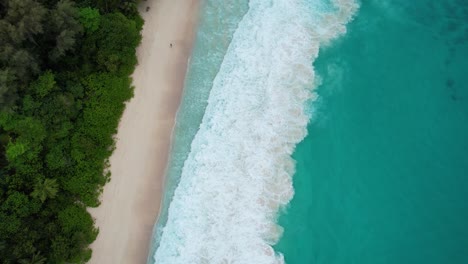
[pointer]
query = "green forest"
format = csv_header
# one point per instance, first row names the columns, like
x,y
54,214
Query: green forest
x,y
64,79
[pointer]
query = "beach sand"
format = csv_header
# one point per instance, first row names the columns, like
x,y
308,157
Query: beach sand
x,y
131,200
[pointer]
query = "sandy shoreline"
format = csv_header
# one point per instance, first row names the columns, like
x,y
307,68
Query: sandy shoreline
x,y
131,200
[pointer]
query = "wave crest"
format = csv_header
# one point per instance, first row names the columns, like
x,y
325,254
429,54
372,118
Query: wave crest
x,y
239,171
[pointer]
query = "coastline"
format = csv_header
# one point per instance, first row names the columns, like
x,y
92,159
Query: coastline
x,y
130,202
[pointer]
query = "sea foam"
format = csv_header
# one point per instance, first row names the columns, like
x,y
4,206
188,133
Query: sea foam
x,y
239,171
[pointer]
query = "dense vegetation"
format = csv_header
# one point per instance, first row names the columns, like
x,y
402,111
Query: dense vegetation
x,y
64,80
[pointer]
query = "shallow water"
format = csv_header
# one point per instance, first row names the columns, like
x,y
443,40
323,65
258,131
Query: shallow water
x,y
216,26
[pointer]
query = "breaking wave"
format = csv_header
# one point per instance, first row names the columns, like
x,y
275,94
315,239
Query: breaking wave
x,y
239,171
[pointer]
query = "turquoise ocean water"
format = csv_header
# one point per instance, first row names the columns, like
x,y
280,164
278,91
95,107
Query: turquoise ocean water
x,y
380,173
383,175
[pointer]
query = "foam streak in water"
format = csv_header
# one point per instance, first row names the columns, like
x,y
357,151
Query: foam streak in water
x,y
239,171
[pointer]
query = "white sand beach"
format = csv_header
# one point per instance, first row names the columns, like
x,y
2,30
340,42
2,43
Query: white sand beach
x,y
131,200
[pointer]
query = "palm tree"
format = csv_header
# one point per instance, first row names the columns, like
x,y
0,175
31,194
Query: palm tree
x,y
35,259
3,245
45,189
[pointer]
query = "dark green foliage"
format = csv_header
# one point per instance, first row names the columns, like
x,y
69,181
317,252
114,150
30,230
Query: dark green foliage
x,y
19,29
64,80
114,53
129,8
77,232
107,5
36,258
44,85
23,21
65,26
90,19
33,37
44,189
92,139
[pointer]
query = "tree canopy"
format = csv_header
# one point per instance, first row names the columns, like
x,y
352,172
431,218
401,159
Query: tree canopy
x,y
64,80
33,36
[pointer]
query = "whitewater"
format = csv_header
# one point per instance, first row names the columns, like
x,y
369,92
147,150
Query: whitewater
x,y
238,174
